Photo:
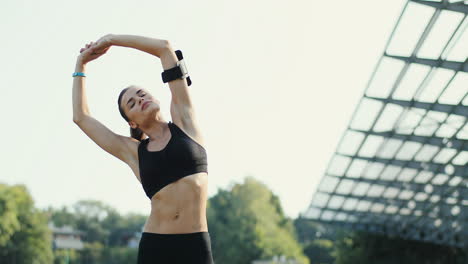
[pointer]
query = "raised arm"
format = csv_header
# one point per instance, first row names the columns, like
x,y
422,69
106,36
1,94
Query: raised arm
x,y
182,112
117,145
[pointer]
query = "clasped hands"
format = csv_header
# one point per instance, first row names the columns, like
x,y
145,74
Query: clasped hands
x,y
94,50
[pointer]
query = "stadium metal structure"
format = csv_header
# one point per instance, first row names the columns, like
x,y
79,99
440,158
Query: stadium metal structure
x,y
400,167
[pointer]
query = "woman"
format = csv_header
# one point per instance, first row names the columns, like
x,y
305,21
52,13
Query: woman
x,y
168,158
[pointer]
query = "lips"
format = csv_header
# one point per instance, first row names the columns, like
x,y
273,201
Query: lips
x,y
144,105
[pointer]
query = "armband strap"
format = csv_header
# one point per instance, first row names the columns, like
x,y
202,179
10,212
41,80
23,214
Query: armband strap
x,y
178,72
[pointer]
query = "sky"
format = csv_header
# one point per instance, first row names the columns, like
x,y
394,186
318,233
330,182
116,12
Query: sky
x,y
274,86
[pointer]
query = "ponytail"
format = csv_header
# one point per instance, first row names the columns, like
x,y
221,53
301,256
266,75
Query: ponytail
x,y
136,133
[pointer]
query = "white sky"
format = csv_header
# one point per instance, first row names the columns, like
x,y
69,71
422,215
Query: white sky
x,y
274,85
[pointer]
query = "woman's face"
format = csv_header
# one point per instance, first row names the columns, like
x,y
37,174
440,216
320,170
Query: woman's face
x,y
139,105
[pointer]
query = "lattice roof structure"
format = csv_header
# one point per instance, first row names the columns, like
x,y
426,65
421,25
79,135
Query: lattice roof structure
x,y
400,167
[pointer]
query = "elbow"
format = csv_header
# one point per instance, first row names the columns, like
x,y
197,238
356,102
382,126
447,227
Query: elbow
x,y
166,44
76,121
165,50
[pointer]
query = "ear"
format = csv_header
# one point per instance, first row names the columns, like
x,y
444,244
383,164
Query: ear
x,y
133,124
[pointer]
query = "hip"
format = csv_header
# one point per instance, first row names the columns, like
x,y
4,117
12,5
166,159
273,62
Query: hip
x,y
175,248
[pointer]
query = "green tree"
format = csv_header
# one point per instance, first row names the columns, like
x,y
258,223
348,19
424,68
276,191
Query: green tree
x,y
61,217
89,218
247,223
360,247
122,227
24,234
308,230
91,253
320,251
316,239
66,256
106,232
120,255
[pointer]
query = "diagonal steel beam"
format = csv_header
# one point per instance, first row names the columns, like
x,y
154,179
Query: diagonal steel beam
x,y
365,216
435,141
429,166
446,108
457,7
444,210
411,185
450,65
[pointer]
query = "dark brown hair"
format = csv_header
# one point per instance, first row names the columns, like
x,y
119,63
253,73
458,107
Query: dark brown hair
x,y
135,133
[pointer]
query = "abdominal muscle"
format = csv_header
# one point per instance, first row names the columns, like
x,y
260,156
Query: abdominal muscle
x,y
180,207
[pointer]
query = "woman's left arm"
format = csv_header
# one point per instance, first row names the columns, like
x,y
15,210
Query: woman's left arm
x,y
181,105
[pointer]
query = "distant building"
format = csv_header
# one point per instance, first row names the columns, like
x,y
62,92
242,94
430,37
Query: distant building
x,y
66,238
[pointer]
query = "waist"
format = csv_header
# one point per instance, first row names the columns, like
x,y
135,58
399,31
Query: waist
x,y
180,223
180,207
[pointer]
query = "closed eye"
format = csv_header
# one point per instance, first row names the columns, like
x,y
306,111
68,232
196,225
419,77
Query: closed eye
x,y
129,100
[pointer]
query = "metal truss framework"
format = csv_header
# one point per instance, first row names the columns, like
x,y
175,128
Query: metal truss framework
x,y
400,168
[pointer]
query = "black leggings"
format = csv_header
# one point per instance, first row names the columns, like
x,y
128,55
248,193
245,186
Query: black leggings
x,y
192,248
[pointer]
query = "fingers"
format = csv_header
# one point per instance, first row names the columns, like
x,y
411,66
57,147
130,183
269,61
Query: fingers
x,y
87,46
93,50
98,49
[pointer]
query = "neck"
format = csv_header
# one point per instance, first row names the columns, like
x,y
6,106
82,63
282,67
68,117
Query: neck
x,y
155,129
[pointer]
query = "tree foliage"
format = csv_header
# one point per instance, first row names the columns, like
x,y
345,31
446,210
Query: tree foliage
x,y
24,235
65,256
320,251
105,232
316,239
247,223
360,247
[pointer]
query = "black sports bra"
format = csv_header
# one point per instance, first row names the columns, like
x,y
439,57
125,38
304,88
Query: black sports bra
x,y
181,157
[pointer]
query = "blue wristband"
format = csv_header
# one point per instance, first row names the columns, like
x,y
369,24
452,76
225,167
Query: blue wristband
x,y
81,74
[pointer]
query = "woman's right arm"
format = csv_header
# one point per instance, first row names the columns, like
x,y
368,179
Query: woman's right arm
x,y
124,148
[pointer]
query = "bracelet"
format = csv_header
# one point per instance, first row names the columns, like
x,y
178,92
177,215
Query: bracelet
x,y
80,74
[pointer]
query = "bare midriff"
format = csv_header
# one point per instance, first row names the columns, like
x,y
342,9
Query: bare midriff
x,y
180,207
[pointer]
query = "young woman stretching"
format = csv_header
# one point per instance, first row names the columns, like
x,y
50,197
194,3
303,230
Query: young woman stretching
x,y
168,158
